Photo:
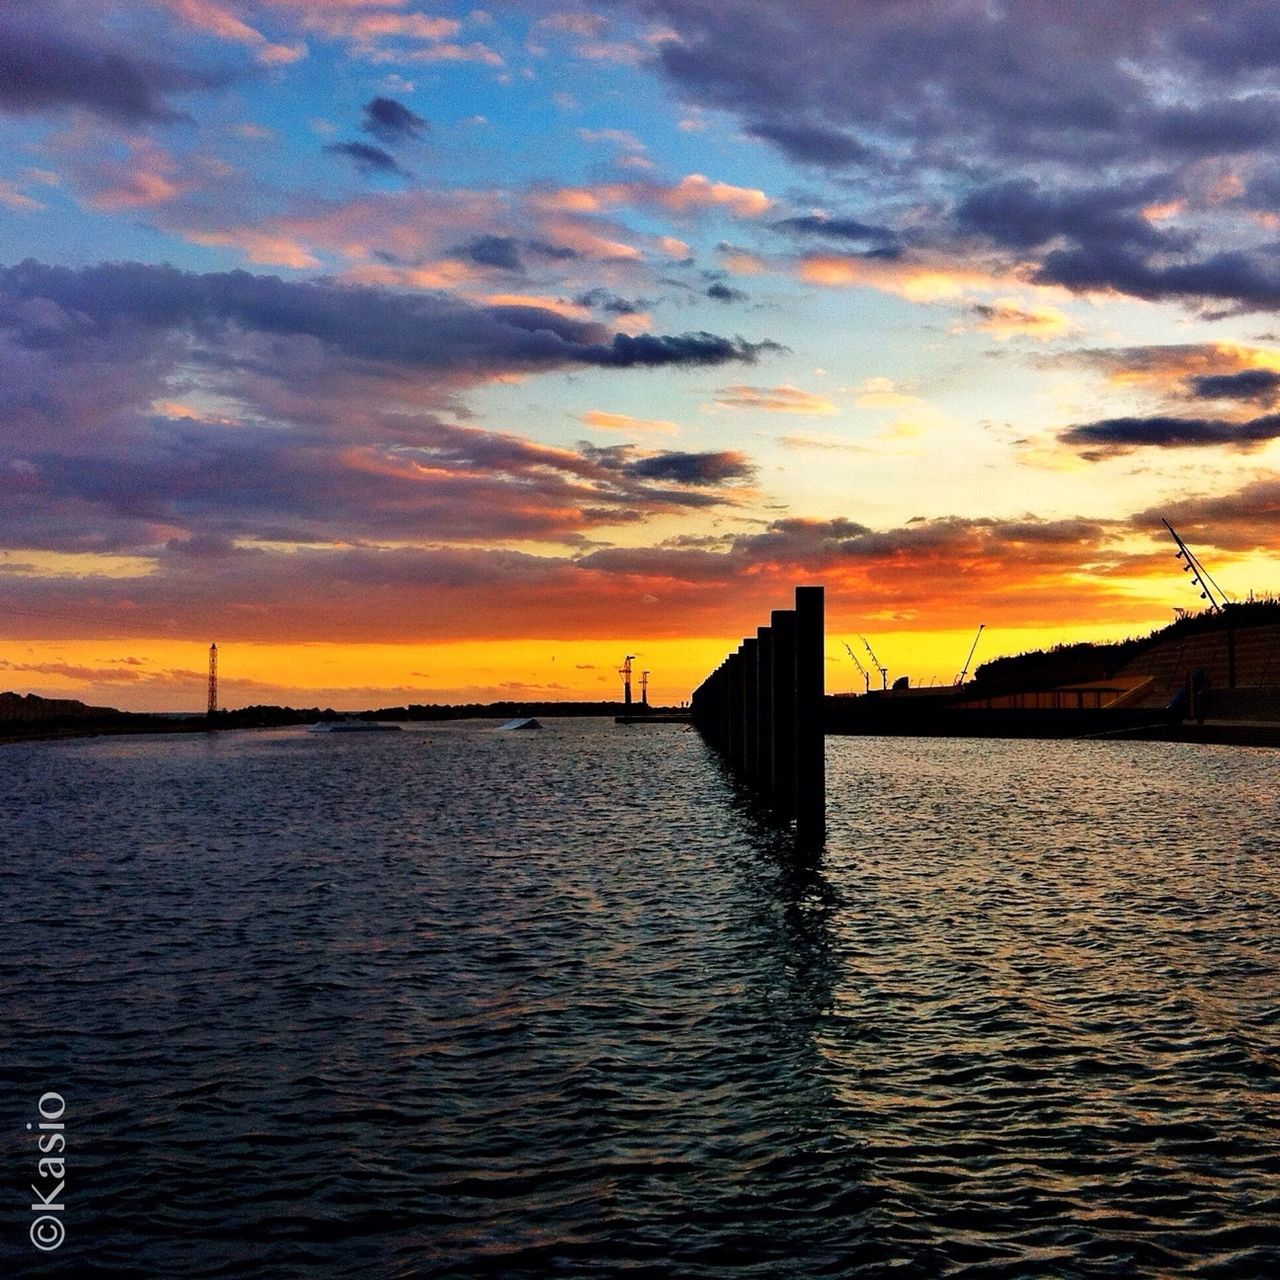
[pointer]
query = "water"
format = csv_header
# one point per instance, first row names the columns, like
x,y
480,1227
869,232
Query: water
x,y
453,1002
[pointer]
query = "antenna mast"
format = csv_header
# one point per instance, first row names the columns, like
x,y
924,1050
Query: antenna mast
x,y
213,679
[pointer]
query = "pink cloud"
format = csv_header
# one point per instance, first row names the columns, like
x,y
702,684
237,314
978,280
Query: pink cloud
x,y
217,20
693,193
698,192
258,246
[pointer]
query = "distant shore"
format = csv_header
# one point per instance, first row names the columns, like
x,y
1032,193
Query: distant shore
x,y
1210,732
31,719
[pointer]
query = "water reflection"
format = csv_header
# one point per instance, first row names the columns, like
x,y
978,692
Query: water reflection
x,y
452,1002
1042,1078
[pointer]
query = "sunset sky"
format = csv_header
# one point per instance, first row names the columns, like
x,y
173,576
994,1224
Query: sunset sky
x,y
436,353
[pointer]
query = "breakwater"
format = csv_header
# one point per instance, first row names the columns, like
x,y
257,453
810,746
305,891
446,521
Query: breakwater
x,y
762,710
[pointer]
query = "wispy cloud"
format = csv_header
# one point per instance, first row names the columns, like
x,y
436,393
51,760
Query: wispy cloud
x,y
624,422
780,399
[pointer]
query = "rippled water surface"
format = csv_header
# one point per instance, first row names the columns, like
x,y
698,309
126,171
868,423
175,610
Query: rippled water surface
x,y
456,1002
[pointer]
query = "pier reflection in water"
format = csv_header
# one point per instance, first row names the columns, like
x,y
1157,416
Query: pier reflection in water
x,y
453,1002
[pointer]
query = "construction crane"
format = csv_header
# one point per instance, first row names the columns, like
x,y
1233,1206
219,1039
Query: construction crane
x,y
866,675
1209,590
625,672
884,671
644,688
960,679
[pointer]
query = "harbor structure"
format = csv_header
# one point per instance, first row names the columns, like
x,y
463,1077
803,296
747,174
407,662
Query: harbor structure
x,y
762,710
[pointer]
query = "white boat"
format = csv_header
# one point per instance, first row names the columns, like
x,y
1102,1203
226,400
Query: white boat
x,y
349,724
521,722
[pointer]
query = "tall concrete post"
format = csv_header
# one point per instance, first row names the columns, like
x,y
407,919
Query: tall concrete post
x,y
722,697
734,669
783,625
750,708
811,780
764,711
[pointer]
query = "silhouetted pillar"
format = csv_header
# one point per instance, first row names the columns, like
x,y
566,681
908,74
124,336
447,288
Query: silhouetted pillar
x,y
722,694
734,669
764,711
750,708
698,705
810,748
783,623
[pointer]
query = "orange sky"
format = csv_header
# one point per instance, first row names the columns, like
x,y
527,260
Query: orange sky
x,y
430,358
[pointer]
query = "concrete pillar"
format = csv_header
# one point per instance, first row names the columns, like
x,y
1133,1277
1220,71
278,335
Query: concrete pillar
x,y
722,707
735,700
783,625
810,748
764,712
750,708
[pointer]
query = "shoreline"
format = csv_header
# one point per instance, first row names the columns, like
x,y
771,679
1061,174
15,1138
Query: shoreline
x,y
1231,733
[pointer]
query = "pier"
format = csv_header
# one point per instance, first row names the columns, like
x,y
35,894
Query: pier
x,y
762,710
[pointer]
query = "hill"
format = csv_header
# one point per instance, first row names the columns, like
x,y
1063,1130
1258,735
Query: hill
x,y
1249,633
27,706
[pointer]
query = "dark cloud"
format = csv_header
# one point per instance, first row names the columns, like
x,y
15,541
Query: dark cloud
x,y
1245,41
1027,83
191,490
1029,121
1019,78
208,546
1248,384
327,593
552,252
392,122
813,144
44,69
1174,359
1004,314
688,349
972,88
1111,436
408,592
679,564
453,483
501,252
799,541
506,253
610,303
1222,127
721,292
1022,215
1245,281
319,434
366,158
1247,519
428,331
939,556
834,228
693,468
